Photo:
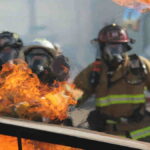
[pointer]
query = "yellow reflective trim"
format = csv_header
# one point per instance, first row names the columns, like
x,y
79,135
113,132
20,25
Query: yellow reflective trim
x,y
120,102
120,99
111,122
141,136
121,96
140,133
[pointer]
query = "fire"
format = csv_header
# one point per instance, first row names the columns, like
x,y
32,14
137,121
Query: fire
x,y
23,95
140,5
10,143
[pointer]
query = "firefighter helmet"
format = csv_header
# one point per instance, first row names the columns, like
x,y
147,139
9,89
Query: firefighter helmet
x,y
10,39
113,34
44,44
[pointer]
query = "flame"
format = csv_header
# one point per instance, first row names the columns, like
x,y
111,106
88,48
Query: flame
x,y
23,95
10,143
140,5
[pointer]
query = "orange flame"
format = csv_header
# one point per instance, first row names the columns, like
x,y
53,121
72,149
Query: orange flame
x,y
10,143
23,95
140,5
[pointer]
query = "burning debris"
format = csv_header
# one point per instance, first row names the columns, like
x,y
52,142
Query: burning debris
x,y
23,95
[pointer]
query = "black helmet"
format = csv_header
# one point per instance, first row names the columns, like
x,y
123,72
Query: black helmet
x,y
10,39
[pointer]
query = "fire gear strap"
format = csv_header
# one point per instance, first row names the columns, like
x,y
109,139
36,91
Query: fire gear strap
x,y
95,73
137,66
120,99
138,69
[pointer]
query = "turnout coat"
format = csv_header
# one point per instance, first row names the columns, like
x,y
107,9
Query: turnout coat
x,y
120,100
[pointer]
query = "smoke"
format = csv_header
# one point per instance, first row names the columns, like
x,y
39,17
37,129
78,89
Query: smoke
x,y
70,23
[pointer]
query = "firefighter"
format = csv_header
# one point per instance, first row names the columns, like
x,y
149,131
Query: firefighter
x,y
46,60
10,45
118,81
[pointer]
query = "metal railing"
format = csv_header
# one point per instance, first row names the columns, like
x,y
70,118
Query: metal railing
x,y
68,136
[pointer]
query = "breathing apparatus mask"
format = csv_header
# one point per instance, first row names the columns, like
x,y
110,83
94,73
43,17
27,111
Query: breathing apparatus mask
x,y
113,54
39,60
10,44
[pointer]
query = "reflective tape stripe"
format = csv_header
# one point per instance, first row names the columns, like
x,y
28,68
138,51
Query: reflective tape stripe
x,y
141,133
111,122
120,99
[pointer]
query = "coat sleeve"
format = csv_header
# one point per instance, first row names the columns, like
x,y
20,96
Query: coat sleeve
x,y
82,82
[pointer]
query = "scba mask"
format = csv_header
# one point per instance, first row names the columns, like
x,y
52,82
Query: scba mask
x,y
113,54
40,63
